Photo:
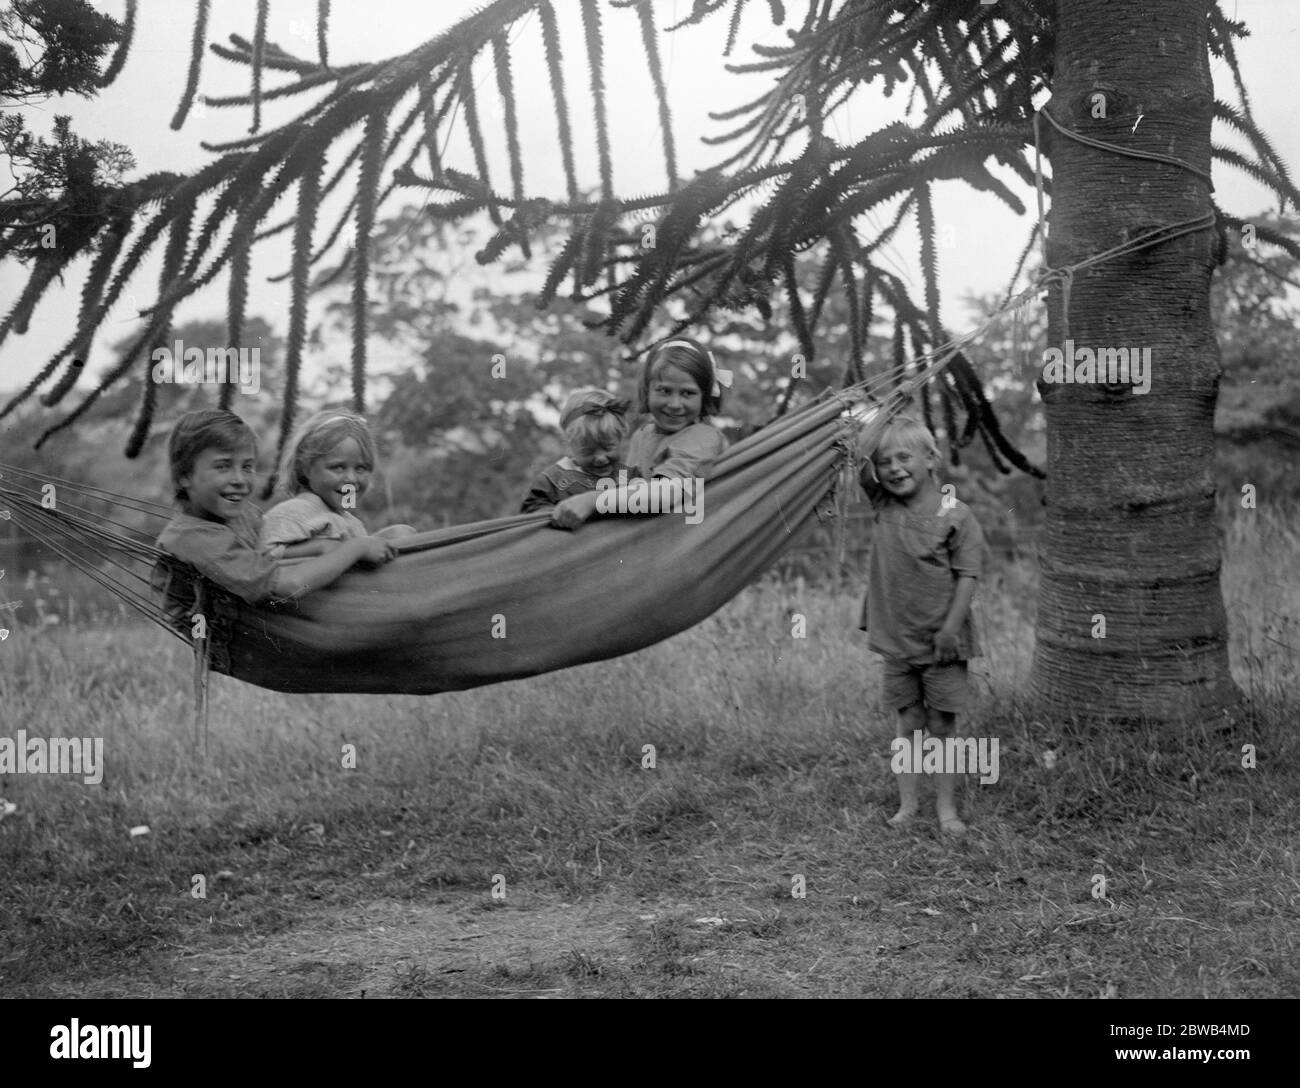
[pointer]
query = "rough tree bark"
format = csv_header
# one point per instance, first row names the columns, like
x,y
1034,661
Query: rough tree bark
x,y
1130,531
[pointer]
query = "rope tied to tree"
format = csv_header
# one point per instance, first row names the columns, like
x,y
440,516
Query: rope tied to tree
x,y
1064,276
1092,141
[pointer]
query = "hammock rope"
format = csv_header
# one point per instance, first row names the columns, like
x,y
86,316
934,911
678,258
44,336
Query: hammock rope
x,y
1065,275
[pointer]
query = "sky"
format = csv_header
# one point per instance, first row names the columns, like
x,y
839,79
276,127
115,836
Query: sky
x,y
980,237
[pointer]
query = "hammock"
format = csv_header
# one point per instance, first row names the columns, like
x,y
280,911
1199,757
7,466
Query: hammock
x,y
494,600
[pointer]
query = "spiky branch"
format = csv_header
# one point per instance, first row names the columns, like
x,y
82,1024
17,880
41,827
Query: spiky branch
x,y
974,70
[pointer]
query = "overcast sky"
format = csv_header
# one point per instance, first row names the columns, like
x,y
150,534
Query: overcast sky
x,y
986,237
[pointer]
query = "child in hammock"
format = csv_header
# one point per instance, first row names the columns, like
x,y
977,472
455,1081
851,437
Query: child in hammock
x,y
594,423
213,458
325,470
926,554
681,389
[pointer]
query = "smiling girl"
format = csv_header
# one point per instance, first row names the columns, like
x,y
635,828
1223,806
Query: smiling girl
x,y
327,468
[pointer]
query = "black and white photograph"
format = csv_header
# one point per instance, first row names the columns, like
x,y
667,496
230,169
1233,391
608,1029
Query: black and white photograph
x,y
651,499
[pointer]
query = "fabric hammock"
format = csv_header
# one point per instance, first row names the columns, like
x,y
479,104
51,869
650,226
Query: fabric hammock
x,y
498,600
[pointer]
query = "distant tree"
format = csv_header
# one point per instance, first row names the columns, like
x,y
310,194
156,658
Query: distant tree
x,y
81,455
54,47
63,186
1257,422
463,416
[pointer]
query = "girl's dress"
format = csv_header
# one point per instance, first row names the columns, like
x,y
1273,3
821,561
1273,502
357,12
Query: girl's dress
x,y
688,453
306,517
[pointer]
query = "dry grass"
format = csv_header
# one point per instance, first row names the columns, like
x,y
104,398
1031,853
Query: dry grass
x,y
771,763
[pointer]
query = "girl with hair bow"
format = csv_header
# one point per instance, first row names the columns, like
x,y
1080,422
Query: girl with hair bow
x,y
594,423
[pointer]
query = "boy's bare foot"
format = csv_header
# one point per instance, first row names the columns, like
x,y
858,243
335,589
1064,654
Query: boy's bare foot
x,y
952,825
902,817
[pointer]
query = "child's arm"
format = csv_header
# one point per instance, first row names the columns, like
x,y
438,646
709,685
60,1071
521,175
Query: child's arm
x,y
691,452
966,556
690,456
302,578
945,641
536,500
870,483
572,512
542,494
309,548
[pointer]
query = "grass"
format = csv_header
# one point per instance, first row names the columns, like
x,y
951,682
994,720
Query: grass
x,y
771,763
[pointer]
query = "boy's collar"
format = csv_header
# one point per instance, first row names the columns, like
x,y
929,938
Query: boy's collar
x,y
201,515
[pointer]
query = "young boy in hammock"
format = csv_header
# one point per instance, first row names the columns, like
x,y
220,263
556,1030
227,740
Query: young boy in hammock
x,y
213,456
926,554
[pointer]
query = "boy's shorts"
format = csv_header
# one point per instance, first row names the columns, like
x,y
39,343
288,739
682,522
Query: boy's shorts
x,y
939,686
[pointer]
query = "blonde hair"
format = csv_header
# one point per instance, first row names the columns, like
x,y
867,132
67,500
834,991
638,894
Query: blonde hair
x,y
910,433
594,415
315,438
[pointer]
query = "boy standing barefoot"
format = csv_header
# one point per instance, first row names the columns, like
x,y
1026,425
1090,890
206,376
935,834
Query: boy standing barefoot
x,y
925,558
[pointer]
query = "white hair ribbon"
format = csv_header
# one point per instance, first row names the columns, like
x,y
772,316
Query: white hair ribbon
x,y
721,378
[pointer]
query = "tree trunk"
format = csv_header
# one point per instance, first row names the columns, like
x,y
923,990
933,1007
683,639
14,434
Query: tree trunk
x,y
1130,550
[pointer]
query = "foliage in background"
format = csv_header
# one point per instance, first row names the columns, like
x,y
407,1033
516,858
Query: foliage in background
x,y
67,194
1258,417
54,47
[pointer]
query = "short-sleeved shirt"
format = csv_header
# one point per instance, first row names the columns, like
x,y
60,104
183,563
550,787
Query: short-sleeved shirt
x,y
916,559
229,553
688,453
307,517
561,481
